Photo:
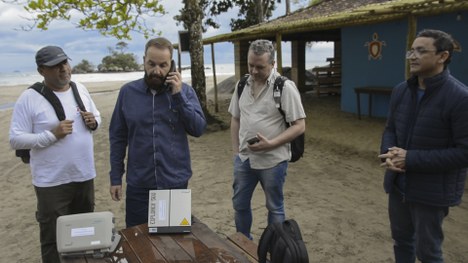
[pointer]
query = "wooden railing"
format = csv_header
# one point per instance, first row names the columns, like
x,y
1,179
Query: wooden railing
x,y
328,78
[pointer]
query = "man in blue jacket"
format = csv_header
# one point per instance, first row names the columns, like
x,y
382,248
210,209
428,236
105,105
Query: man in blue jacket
x,y
425,149
152,118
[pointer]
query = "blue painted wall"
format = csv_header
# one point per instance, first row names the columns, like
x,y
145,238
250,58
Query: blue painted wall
x,y
359,70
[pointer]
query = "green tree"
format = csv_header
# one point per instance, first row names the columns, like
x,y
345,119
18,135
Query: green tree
x,y
122,46
250,12
119,18
83,67
119,61
110,18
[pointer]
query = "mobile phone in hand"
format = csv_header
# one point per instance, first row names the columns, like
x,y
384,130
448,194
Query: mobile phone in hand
x,y
253,140
173,69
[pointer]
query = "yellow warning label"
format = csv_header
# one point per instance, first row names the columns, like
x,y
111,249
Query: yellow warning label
x,y
184,222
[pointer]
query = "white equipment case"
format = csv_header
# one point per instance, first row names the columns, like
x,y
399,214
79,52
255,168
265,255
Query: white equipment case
x,y
87,234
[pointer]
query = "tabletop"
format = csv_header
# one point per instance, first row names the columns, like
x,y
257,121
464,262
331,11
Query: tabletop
x,y
201,245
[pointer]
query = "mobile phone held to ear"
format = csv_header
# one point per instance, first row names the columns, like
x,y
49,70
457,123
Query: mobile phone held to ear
x,y
253,140
173,69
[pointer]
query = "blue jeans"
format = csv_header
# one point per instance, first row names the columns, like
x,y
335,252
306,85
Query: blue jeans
x,y
245,181
416,230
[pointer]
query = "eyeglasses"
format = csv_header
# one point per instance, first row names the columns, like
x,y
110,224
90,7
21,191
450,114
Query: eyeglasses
x,y
418,52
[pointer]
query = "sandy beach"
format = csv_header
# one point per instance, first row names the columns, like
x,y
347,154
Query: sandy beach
x,y
335,192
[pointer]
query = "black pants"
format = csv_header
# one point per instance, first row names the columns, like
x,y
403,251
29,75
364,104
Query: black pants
x,y
416,230
55,201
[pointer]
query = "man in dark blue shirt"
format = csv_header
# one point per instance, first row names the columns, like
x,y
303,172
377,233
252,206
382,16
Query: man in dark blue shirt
x,y
152,118
425,149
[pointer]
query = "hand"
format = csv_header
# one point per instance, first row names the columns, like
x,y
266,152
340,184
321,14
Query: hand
x,y
174,79
89,119
262,144
394,159
64,128
116,192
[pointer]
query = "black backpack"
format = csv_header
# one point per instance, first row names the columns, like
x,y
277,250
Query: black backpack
x,y
283,240
52,98
297,144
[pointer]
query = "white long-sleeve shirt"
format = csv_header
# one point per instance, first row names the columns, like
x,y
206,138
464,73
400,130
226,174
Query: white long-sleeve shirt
x,y
54,162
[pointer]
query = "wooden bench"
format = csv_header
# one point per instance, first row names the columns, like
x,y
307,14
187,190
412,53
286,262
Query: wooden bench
x,y
373,90
247,246
201,245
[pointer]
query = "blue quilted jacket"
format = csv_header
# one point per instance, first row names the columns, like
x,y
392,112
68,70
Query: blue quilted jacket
x,y
435,134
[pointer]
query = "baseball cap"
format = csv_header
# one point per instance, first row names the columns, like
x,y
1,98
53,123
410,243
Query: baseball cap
x,y
50,56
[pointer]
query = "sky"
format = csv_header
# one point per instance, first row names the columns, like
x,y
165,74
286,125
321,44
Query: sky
x,y
18,47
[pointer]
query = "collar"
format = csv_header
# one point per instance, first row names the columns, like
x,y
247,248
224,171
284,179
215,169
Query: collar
x,y
431,83
270,80
151,91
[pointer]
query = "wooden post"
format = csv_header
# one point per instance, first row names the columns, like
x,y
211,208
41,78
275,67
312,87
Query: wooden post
x,y
241,49
214,78
412,27
279,54
298,67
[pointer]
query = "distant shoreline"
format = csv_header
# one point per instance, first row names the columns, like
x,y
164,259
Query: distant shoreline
x,y
10,93
27,78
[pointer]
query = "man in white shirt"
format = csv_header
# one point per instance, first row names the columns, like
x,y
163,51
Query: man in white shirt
x,y
260,138
61,156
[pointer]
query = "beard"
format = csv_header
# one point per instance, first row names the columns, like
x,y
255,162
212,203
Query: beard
x,y
155,82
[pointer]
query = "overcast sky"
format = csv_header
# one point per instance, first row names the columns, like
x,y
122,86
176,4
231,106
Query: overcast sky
x,y
18,48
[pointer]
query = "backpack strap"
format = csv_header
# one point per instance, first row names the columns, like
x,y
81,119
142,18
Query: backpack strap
x,y
264,243
282,245
54,100
56,104
80,103
76,94
277,92
51,98
297,144
292,237
241,84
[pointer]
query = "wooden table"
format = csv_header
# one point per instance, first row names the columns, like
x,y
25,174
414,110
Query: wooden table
x,y
374,90
201,245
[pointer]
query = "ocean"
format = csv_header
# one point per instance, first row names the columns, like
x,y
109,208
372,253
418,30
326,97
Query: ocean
x,y
28,78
